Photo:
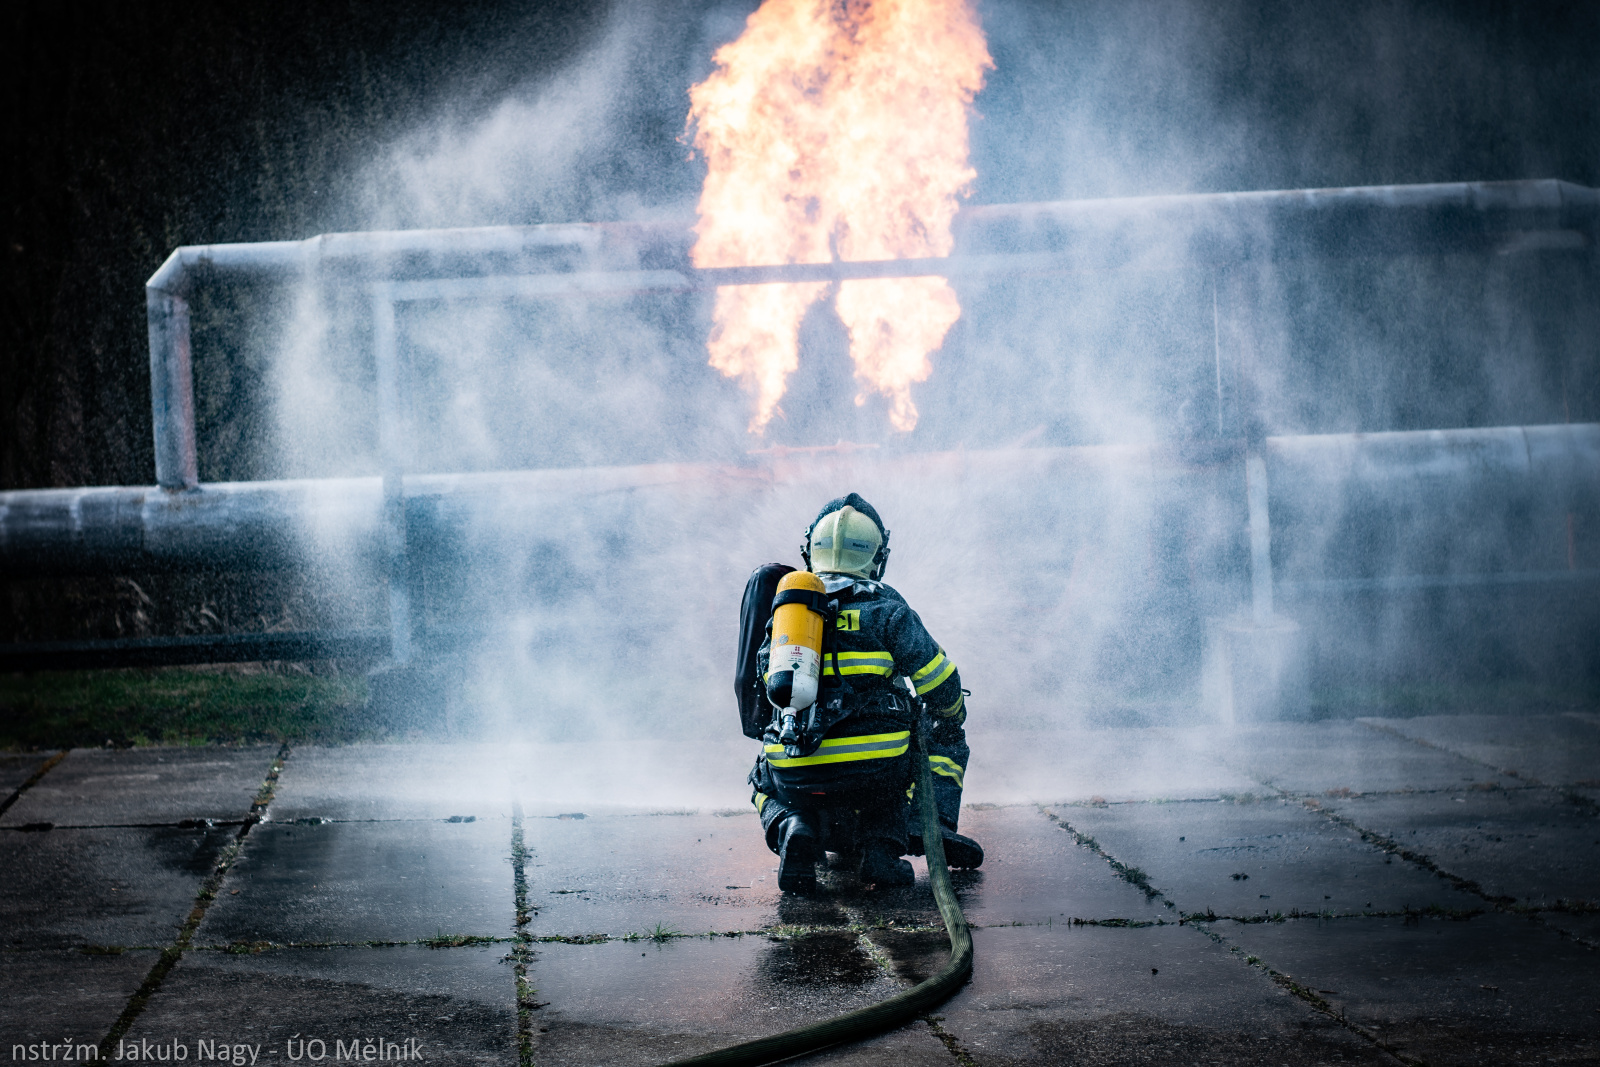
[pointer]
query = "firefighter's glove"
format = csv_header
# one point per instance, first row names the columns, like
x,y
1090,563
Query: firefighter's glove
x,y
947,723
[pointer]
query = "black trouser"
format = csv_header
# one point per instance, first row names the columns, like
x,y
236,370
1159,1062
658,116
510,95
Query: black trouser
x,y
948,756
867,797
947,759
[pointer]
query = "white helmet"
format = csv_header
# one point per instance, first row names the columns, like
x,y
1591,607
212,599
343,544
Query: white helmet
x,y
847,537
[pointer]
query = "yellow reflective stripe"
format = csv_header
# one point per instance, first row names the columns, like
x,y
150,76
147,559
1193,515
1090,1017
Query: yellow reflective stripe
x,y
933,673
953,709
865,668
845,750
853,663
845,757
948,767
760,801
938,679
834,742
859,739
859,663
930,666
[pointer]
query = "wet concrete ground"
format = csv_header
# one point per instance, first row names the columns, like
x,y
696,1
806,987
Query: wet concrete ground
x,y
1378,891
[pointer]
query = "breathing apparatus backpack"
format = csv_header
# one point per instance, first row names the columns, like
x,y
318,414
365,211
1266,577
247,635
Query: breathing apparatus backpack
x,y
822,708
754,614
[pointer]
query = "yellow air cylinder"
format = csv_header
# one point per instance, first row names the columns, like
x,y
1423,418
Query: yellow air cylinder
x,y
794,668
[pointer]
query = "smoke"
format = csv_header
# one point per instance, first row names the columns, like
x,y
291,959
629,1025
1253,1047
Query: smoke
x,y
1070,509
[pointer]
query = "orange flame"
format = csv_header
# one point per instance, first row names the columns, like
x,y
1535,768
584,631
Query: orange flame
x,y
836,129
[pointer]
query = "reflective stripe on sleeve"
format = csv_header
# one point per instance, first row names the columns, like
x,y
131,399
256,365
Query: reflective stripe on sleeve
x,y
760,801
845,750
881,663
948,767
933,675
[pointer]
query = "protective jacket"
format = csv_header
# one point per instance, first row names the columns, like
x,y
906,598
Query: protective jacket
x,y
877,641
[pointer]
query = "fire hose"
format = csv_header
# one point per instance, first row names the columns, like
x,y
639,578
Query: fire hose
x,y
898,1009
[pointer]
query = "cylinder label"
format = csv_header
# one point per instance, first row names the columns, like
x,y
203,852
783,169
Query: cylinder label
x,y
798,658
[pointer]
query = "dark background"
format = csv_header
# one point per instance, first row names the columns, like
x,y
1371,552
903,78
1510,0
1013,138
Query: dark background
x,y
137,127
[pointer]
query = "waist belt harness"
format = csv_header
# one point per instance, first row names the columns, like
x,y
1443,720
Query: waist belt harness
x,y
845,750
848,759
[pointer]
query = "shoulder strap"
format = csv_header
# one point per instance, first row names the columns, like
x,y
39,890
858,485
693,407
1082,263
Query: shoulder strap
x,y
817,602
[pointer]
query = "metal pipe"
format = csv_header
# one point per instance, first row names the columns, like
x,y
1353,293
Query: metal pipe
x,y
1255,478
391,443
1143,232
536,286
193,648
1399,583
171,391
244,525
269,524
1002,231
360,644
1563,452
1541,204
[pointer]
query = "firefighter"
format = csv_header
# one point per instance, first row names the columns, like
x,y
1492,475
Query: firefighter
x,y
853,766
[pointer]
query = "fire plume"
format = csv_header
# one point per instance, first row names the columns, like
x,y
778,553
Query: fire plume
x,y
836,130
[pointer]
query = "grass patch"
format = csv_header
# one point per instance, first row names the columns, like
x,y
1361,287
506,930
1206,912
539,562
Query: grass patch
x,y
179,706
247,948
1434,911
457,940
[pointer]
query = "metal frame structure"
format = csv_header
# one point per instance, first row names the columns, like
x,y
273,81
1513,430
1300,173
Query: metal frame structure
x,y
1219,232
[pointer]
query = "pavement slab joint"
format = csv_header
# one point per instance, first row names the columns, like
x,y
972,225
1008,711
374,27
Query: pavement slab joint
x,y
181,824
1307,996
1138,878
32,780
1570,795
1134,876
1392,848
1389,846
554,941
951,1043
884,963
522,954
171,954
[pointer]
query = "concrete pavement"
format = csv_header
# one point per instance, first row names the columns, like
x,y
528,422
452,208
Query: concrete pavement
x,y
1374,891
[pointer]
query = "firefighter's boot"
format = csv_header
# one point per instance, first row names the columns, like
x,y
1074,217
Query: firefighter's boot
x,y
882,866
798,853
959,850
